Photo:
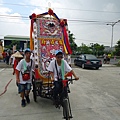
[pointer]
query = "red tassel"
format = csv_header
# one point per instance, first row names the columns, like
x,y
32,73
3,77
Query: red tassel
x,y
37,76
50,12
67,41
62,23
32,20
69,74
34,16
64,83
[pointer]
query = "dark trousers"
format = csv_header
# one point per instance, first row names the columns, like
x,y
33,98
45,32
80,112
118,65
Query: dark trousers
x,y
4,59
57,89
7,59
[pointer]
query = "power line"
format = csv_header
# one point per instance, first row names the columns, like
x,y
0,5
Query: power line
x,y
70,20
12,22
14,16
15,4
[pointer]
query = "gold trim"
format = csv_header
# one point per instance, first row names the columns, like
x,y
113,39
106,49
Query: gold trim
x,y
49,39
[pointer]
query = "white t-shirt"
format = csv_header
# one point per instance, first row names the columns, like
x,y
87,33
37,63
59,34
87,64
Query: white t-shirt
x,y
21,69
13,59
52,68
69,59
32,57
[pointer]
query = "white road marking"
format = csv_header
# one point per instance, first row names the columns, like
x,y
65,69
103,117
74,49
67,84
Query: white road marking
x,y
2,69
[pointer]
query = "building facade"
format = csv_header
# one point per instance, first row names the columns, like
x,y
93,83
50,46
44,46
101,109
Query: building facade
x,y
21,42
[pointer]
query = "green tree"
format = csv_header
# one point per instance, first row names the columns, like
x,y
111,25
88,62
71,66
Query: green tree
x,y
117,48
84,49
14,42
73,45
97,49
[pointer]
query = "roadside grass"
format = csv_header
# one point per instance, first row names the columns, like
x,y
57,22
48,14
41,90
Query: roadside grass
x,y
118,64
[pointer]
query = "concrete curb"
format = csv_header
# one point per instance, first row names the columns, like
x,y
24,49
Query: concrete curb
x,y
109,65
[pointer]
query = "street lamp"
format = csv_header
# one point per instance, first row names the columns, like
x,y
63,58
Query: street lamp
x,y
112,24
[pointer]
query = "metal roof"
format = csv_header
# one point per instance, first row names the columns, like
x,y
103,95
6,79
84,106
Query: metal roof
x,y
15,37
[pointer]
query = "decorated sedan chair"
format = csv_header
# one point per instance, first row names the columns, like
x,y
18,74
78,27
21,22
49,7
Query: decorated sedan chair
x,y
47,34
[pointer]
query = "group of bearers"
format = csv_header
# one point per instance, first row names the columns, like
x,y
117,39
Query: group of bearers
x,y
23,68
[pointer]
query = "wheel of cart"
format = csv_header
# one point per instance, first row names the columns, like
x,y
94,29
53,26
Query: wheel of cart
x,y
37,86
42,87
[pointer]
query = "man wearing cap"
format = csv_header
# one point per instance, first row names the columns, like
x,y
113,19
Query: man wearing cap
x,y
58,68
24,76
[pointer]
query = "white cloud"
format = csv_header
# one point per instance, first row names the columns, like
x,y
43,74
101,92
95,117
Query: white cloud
x,y
1,1
36,11
10,25
110,7
86,32
4,10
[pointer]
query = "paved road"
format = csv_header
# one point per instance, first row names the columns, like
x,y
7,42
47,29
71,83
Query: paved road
x,y
96,96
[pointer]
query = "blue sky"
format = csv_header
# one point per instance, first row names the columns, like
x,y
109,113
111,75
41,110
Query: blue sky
x,y
81,12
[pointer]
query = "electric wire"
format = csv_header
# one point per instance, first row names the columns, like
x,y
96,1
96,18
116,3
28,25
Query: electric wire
x,y
73,21
16,4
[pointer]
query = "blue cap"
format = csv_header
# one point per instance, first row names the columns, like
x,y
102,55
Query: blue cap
x,y
58,51
27,50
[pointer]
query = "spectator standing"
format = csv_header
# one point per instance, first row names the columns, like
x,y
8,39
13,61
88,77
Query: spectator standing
x,y
4,54
7,57
104,58
115,58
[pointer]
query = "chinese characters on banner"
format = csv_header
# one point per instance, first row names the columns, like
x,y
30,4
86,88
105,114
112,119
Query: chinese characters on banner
x,y
48,47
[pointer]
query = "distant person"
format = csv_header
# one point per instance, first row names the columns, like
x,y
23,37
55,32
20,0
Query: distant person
x,y
104,58
4,54
115,58
32,56
69,60
7,57
12,58
21,52
108,58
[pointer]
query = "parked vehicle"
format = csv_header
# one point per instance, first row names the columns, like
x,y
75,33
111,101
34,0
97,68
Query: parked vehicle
x,y
88,61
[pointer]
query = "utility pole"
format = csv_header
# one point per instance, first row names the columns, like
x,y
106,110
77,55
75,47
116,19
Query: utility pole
x,y
112,24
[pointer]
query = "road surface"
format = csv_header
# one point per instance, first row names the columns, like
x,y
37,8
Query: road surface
x,y
96,96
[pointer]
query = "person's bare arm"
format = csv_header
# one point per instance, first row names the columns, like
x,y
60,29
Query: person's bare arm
x,y
17,76
52,76
77,78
